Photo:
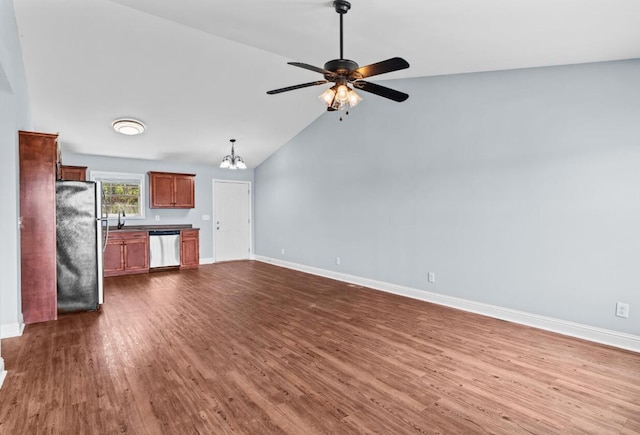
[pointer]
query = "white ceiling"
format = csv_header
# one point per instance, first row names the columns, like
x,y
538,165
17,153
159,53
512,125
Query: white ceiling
x,y
196,71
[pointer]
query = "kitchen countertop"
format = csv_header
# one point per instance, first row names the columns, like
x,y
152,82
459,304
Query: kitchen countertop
x,y
151,227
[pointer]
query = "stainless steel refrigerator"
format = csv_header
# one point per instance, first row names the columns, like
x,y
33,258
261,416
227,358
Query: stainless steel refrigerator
x,y
81,232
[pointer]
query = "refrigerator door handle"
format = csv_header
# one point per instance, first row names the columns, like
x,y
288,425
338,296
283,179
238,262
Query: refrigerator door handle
x,y
104,217
99,254
101,239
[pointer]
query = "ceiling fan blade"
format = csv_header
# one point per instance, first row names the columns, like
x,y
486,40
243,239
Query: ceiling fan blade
x,y
382,91
294,87
386,66
313,68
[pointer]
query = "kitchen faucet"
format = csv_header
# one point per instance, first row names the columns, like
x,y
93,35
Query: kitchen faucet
x,y
121,223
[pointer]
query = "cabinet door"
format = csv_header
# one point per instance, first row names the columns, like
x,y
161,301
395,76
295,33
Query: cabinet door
x,y
37,155
189,249
73,173
184,191
136,255
161,190
113,258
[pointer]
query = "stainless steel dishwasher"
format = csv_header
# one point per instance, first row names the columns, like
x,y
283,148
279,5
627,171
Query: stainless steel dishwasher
x,y
164,248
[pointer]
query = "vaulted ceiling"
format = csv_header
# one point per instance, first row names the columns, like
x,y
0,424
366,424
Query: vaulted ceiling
x,y
196,72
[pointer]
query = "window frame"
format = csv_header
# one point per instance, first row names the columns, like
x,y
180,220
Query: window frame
x,y
124,176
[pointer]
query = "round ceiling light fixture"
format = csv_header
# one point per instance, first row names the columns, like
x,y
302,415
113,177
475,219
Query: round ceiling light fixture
x,y
129,127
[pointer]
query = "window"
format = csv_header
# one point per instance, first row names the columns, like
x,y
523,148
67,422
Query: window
x,y
122,193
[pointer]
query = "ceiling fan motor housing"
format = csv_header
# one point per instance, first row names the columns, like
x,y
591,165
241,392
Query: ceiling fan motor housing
x,y
342,67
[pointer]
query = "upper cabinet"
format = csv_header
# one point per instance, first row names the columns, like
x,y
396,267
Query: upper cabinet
x,y
171,190
73,173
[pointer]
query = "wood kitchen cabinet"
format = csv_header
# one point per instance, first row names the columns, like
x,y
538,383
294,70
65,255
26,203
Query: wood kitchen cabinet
x,y
189,249
171,190
126,253
73,173
38,160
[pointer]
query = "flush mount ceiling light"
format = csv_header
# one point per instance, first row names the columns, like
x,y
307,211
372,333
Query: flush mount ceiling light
x,y
129,127
232,161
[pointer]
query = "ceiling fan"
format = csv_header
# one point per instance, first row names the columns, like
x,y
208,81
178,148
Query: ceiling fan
x,y
344,72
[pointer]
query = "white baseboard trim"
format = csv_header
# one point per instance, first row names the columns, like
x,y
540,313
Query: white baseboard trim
x,y
578,330
8,330
3,372
207,260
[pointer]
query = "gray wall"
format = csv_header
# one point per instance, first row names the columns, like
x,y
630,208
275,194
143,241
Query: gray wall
x,y
205,174
14,115
519,189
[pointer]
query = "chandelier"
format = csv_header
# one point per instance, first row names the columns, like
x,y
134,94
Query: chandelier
x,y
232,161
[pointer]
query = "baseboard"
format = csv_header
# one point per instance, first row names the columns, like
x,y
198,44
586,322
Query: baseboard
x,y
8,330
207,260
586,332
3,372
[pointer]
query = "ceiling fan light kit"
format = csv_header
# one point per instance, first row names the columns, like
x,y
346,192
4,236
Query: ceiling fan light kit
x,y
344,72
340,97
232,161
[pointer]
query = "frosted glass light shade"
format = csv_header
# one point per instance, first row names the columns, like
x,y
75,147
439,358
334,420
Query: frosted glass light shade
x,y
328,96
129,127
340,97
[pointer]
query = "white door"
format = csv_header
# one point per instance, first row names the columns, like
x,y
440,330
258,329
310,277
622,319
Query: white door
x,y
231,211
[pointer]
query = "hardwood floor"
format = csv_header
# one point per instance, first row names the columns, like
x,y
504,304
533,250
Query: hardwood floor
x,y
247,347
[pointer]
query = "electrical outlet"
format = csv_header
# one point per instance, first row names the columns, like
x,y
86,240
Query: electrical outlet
x,y
622,310
206,217
432,277
157,218
282,251
337,261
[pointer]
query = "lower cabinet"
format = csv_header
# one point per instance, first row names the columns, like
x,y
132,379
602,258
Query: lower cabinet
x,y
189,249
127,253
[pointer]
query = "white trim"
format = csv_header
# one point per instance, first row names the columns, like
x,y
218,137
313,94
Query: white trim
x,y
8,330
578,330
207,260
213,206
3,372
107,175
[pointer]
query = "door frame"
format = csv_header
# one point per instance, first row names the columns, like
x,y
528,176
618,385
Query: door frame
x,y
213,216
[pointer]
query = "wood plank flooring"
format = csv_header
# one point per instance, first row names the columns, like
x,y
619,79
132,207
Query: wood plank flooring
x,y
250,348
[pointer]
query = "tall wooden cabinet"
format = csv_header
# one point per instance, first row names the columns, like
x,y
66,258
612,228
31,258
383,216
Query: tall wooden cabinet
x,y
39,161
171,190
